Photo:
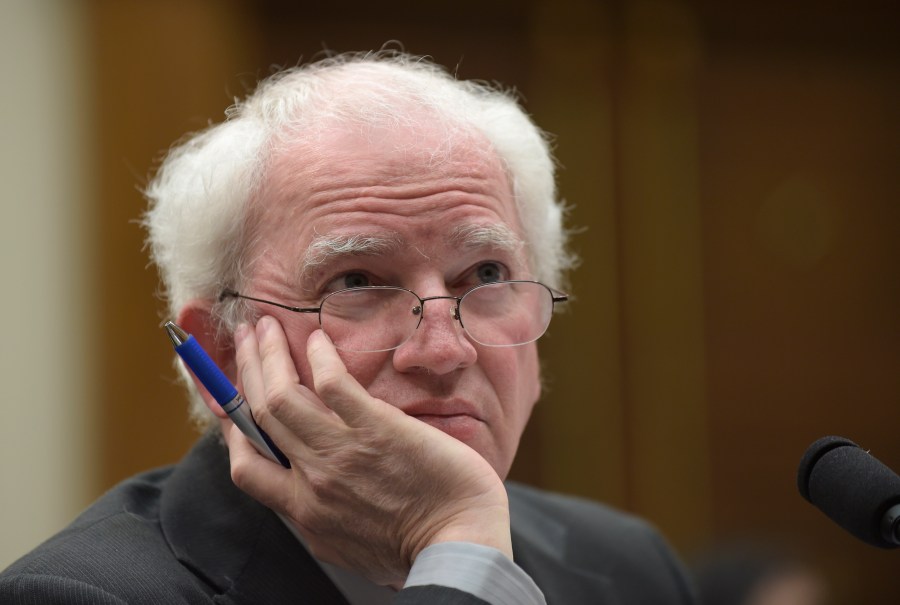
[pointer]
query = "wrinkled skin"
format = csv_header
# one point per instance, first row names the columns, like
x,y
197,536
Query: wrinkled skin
x,y
350,457
396,450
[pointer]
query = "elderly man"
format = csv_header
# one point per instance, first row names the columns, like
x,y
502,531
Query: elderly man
x,y
369,249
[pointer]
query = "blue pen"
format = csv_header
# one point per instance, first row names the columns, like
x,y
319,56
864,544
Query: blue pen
x,y
223,392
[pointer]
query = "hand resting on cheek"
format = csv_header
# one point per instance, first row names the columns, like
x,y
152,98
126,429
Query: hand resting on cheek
x,y
369,487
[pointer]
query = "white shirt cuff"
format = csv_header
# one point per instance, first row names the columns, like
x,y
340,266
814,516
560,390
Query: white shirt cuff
x,y
478,570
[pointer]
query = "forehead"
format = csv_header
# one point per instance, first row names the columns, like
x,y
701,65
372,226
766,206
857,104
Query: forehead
x,y
422,183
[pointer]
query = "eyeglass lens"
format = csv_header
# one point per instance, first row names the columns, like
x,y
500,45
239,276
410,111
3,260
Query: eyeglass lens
x,y
381,319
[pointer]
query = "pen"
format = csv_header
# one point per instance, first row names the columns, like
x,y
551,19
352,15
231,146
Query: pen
x,y
223,392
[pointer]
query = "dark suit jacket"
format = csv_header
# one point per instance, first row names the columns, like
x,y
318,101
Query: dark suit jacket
x,y
185,534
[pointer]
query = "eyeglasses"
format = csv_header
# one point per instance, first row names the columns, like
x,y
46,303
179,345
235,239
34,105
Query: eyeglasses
x,y
370,319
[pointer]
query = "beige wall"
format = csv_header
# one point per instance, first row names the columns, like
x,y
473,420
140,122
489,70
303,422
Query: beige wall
x,y
46,471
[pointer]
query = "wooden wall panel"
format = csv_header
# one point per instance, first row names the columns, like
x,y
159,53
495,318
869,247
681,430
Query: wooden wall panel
x,y
581,418
162,69
801,212
661,288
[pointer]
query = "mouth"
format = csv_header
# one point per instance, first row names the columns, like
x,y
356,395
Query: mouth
x,y
459,426
459,419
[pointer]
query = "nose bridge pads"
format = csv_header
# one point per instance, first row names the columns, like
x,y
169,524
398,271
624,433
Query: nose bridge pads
x,y
419,310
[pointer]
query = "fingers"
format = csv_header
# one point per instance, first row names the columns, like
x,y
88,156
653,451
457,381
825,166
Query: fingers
x,y
293,416
336,391
369,487
278,370
249,366
288,410
268,380
336,387
253,473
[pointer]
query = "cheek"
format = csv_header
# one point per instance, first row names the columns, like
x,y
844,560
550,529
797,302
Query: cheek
x,y
528,391
523,376
516,384
515,378
365,367
531,376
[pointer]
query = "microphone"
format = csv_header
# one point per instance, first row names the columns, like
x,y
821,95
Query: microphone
x,y
853,488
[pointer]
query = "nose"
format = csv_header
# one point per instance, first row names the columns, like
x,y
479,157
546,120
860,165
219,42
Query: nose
x,y
439,345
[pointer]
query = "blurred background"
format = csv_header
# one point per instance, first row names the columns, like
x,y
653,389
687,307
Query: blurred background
x,y
733,174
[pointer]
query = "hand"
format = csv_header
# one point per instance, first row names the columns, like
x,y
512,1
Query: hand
x,y
369,487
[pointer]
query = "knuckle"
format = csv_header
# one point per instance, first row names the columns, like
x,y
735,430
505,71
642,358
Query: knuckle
x,y
321,486
277,399
330,382
239,473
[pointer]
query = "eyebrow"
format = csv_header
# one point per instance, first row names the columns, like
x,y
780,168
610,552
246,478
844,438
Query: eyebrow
x,y
326,248
494,235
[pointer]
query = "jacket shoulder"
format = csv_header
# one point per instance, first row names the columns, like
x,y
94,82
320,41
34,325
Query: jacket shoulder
x,y
105,555
582,537
555,512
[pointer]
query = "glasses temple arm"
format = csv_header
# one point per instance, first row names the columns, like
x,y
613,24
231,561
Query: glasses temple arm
x,y
231,293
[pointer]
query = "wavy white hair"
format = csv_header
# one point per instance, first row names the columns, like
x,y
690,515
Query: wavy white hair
x,y
200,218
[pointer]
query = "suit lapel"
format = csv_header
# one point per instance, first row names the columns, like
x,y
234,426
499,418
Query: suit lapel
x,y
242,554
238,549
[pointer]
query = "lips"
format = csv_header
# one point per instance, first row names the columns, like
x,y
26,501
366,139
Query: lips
x,y
457,418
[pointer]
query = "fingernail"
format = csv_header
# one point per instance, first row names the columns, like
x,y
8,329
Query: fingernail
x,y
263,325
319,334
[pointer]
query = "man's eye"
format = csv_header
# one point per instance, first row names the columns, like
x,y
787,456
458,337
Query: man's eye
x,y
348,280
490,272
355,280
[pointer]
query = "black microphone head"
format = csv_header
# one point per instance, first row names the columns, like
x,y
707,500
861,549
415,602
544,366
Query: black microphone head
x,y
850,486
811,458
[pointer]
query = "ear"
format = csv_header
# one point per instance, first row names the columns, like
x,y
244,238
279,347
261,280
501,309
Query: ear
x,y
195,319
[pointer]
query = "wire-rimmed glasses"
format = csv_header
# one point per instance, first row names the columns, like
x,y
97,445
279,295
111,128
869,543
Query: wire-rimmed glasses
x,y
371,319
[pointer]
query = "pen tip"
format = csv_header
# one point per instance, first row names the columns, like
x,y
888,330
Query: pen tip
x,y
175,333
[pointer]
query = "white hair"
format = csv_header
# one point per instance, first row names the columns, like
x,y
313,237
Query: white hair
x,y
200,220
